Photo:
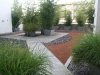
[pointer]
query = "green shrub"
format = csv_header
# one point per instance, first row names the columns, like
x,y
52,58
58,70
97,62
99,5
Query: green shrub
x,y
30,27
57,15
68,18
15,60
88,50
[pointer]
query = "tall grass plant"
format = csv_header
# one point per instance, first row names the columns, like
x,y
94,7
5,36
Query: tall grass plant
x,y
88,50
15,60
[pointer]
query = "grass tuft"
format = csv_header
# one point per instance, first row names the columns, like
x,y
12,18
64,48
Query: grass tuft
x,y
88,50
15,60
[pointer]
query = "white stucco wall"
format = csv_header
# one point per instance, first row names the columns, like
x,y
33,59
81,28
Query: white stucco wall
x,y
5,16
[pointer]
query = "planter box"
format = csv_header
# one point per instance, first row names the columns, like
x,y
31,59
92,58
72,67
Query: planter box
x,y
74,28
26,34
61,26
30,34
55,27
67,28
48,32
81,28
42,31
15,29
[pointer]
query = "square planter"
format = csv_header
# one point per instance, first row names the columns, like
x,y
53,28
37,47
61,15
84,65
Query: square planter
x,y
30,34
26,33
16,29
67,28
48,32
81,28
74,27
61,26
55,27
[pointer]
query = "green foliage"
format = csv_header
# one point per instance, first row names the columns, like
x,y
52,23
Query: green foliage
x,y
30,27
16,13
57,15
90,27
88,50
90,12
81,17
47,13
68,18
31,18
15,60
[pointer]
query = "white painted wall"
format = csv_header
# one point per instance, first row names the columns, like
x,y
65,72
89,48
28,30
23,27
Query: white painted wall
x,y
97,17
5,16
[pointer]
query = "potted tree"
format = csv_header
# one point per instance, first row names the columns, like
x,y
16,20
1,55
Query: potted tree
x,y
30,28
47,15
81,18
30,21
90,12
57,18
68,19
16,15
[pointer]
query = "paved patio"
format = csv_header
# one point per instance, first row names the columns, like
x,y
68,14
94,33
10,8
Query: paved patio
x,y
38,38
36,44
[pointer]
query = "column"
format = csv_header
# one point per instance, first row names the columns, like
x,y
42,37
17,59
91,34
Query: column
x,y
97,17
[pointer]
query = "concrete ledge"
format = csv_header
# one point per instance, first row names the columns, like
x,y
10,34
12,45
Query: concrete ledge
x,y
68,61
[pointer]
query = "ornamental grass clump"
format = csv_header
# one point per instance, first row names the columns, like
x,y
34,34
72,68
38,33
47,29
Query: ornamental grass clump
x,y
88,50
15,60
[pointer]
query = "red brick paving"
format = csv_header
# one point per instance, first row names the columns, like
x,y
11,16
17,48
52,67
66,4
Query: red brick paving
x,y
63,51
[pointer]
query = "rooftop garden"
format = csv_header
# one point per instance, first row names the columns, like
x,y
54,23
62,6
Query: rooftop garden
x,y
18,60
